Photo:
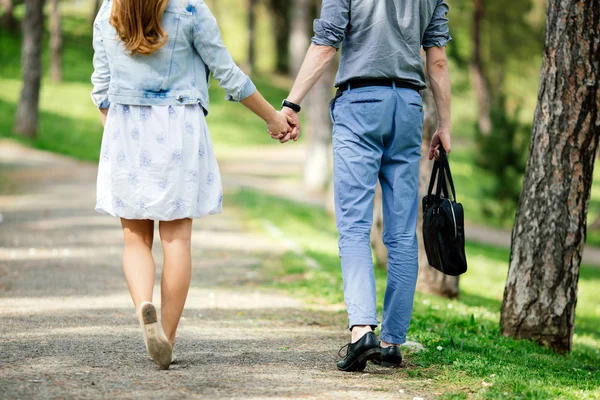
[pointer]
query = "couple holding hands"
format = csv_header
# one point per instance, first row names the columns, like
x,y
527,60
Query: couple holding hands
x,y
152,61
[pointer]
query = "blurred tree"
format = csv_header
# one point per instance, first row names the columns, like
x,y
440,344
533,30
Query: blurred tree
x,y
55,42
26,121
317,172
94,8
550,227
478,77
430,280
281,18
251,35
8,21
299,33
504,38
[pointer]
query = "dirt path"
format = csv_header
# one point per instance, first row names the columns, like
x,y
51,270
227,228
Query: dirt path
x,y
67,327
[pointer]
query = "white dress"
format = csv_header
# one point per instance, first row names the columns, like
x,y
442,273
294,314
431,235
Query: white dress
x,y
157,162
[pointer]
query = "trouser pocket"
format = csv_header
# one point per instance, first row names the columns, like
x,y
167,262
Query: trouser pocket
x,y
331,109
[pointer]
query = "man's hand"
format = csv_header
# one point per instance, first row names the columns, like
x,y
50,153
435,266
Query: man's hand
x,y
294,123
441,136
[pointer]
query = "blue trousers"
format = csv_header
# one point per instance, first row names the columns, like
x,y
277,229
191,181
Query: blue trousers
x,y
377,135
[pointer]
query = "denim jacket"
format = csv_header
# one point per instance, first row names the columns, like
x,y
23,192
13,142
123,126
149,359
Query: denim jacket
x,y
178,73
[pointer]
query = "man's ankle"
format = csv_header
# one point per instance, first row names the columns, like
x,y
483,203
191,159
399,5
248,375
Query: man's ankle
x,y
385,344
358,331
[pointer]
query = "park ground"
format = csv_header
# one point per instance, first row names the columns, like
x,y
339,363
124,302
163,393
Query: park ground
x,y
265,316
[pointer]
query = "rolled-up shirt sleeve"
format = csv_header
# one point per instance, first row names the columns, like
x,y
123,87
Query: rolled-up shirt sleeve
x,y
209,44
437,33
101,74
330,29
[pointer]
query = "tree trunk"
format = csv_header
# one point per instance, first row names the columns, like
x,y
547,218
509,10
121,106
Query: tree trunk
x,y
479,80
299,35
55,43
430,280
251,35
26,121
281,13
317,172
94,8
550,226
8,21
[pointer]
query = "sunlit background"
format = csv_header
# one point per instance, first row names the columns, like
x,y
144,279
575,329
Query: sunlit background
x,y
284,190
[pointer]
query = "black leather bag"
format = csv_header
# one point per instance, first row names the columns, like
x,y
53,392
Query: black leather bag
x,y
443,222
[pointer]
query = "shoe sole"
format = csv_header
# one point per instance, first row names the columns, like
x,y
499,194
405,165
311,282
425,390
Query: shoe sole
x,y
157,344
361,361
387,364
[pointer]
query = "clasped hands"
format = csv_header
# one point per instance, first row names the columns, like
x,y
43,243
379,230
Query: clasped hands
x,y
284,126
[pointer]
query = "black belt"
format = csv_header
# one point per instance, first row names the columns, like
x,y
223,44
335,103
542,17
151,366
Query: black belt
x,y
361,83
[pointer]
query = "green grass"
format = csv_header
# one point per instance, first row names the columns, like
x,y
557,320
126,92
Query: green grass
x,y
467,330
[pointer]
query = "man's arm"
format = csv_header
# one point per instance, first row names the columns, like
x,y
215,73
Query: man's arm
x,y
330,31
316,61
439,77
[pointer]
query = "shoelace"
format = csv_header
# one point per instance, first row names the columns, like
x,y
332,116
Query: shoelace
x,y
346,346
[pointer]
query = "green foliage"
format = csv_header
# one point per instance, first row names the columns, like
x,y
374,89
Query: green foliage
x,y
503,153
466,355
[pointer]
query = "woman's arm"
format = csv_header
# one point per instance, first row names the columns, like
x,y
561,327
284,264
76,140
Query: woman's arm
x,y
101,74
238,86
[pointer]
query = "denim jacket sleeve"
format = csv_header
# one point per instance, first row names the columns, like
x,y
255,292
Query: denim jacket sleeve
x,y
209,44
330,29
101,74
437,32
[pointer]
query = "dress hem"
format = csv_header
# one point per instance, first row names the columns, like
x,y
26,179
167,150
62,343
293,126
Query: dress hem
x,y
101,210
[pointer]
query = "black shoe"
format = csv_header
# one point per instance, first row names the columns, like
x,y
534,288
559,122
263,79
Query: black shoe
x,y
390,357
365,349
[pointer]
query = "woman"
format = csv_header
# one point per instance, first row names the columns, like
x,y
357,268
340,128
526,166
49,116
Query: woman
x,y
152,60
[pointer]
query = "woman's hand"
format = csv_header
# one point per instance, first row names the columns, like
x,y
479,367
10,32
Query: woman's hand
x,y
278,125
103,114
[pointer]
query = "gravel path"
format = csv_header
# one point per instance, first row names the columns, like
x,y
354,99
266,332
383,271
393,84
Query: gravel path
x,y
67,326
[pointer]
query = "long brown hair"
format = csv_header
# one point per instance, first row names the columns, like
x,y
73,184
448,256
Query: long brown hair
x,y
138,24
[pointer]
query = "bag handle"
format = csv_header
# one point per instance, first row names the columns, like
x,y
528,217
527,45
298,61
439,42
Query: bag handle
x,y
441,173
447,174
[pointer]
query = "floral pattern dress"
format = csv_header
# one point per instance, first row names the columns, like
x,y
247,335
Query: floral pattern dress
x,y
158,163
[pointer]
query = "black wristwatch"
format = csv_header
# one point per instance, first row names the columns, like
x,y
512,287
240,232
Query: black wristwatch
x,y
293,106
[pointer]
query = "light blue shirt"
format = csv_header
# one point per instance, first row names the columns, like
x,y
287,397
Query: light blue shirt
x,y
382,39
177,73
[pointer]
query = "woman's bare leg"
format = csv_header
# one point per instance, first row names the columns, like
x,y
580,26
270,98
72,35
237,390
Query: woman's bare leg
x,y
138,263
177,272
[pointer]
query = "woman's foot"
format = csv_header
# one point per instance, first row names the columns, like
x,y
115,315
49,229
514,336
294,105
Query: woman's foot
x,y
158,346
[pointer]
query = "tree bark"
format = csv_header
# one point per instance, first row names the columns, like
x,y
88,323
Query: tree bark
x,y
550,226
8,21
317,172
299,34
478,77
26,121
55,42
281,14
251,35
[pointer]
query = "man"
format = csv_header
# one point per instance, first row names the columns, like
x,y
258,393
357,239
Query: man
x,y
377,135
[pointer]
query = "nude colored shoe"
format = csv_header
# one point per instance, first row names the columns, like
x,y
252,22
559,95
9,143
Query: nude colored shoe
x,y
156,342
